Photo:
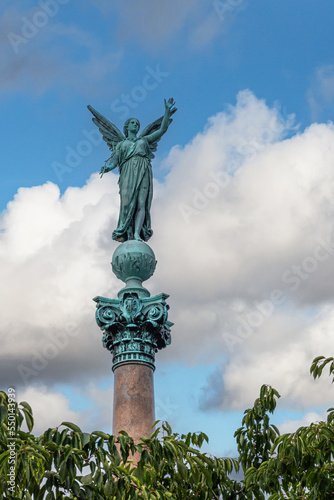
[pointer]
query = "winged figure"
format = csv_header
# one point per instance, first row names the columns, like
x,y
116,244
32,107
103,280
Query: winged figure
x,y
132,155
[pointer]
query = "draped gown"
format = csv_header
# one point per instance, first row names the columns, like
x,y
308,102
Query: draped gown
x,y
135,172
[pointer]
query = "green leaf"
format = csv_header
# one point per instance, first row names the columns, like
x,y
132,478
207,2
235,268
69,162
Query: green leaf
x,y
144,493
109,489
183,470
4,457
50,445
3,397
101,434
229,465
26,406
275,429
85,439
92,467
139,471
56,438
154,434
36,468
41,450
72,426
171,448
63,471
87,479
68,451
76,440
166,427
29,419
26,467
89,493
71,468
3,414
204,437
76,488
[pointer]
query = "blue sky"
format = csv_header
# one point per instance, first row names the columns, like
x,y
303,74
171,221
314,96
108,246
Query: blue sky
x,y
254,87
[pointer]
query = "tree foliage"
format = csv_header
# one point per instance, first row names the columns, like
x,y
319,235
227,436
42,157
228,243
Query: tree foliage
x,y
65,462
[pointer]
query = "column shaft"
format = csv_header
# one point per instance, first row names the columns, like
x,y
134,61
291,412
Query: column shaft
x,y
133,400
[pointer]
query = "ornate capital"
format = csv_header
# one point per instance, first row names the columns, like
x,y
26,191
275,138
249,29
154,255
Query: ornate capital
x,y
134,327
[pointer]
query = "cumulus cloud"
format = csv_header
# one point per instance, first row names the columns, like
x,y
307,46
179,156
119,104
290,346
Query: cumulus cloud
x,y
279,353
52,407
55,254
243,235
305,421
251,212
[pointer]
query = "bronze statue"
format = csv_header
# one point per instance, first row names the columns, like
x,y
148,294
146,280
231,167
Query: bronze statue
x,y
133,155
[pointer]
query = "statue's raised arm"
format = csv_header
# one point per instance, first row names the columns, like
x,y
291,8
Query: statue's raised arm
x,y
132,155
156,130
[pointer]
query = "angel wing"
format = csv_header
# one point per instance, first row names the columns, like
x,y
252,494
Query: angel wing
x,y
152,127
110,133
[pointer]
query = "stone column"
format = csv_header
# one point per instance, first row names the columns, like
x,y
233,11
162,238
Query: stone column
x,y
135,327
133,400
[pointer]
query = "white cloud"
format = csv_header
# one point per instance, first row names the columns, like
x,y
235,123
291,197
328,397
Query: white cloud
x,y
321,92
154,23
308,418
205,31
200,21
51,407
35,52
247,239
279,353
237,226
55,258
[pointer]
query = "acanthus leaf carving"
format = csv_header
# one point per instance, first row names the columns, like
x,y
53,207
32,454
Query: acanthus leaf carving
x,y
134,328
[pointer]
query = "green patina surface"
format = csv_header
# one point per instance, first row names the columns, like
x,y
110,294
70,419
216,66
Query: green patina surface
x,y
134,328
132,156
133,262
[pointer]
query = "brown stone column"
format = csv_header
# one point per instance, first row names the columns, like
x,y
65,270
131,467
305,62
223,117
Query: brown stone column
x,y
133,400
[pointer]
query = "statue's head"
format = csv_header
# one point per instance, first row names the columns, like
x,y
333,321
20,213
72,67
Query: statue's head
x,y
127,123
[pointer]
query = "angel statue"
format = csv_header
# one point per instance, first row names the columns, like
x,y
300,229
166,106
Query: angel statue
x,y
132,155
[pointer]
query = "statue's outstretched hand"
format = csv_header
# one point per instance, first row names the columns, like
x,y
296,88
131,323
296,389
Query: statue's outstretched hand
x,y
109,164
169,104
103,170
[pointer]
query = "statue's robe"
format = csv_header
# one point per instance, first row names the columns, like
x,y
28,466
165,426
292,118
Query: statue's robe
x,y
135,172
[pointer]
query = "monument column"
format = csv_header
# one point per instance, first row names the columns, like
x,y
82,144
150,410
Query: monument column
x,y
135,327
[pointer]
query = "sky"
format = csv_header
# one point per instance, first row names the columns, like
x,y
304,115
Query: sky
x,y
242,215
